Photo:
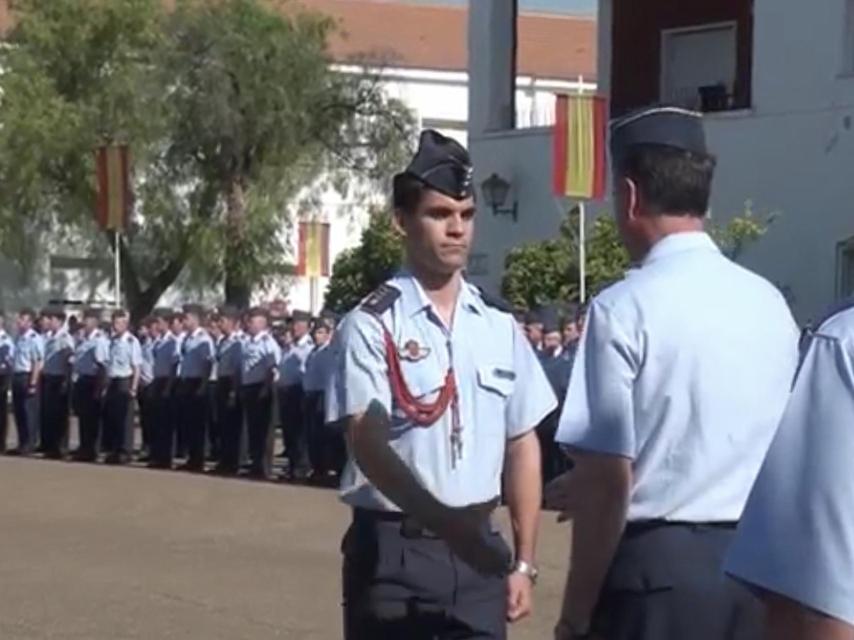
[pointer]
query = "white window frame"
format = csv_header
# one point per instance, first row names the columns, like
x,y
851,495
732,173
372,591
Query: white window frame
x,y
697,28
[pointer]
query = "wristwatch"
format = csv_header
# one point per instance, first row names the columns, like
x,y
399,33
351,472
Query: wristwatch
x,y
527,569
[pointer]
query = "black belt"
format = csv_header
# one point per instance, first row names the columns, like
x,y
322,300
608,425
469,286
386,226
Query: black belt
x,y
643,526
409,526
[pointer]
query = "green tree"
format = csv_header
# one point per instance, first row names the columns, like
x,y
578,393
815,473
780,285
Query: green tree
x,y
547,272
360,270
232,112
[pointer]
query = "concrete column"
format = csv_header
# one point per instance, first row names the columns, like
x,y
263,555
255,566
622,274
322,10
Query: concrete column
x,y
492,65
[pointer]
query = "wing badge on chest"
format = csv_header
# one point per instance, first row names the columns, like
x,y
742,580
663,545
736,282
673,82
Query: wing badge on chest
x,y
412,351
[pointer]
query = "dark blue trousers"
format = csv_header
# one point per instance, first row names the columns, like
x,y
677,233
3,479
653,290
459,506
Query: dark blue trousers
x,y
26,412
667,583
401,584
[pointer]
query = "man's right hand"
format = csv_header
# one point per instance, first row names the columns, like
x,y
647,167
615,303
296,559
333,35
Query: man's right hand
x,y
463,529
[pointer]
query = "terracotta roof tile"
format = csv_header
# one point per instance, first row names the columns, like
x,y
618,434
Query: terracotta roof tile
x,y
428,36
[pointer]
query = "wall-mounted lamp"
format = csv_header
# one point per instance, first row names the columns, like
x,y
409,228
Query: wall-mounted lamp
x,y
495,191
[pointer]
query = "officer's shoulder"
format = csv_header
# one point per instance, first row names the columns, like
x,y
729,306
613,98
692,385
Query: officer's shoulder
x,y
380,299
839,324
491,301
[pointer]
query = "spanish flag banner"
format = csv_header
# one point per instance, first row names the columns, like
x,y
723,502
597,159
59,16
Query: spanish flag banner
x,y
114,199
579,146
313,256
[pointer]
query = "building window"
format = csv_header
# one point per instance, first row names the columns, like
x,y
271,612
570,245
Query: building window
x,y
699,67
845,269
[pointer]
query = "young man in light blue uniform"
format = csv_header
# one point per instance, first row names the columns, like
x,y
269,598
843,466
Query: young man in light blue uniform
x,y
261,354
123,370
166,357
56,379
440,393
795,541
7,361
671,406
26,380
291,396
197,358
91,357
229,407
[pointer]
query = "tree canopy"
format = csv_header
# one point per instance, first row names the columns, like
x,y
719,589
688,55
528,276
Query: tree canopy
x,y
234,116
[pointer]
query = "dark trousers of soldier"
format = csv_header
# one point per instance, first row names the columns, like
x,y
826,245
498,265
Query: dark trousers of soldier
x,y
214,425
326,449
193,416
553,460
230,414
147,416
163,411
400,581
54,415
666,583
117,438
291,401
25,406
258,405
89,410
4,411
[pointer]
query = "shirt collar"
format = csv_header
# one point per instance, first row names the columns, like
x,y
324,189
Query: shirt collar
x,y
675,243
414,300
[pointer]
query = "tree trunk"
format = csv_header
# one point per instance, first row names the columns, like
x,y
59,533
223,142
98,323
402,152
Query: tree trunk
x,y
238,290
138,301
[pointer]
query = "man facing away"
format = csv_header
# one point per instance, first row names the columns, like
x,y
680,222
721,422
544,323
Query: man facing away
x,y
670,408
440,393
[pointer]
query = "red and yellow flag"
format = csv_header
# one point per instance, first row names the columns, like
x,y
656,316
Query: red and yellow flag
x,y
313,256
579,146
114,201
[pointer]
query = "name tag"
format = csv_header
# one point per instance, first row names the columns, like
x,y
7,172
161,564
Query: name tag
x,y
504,374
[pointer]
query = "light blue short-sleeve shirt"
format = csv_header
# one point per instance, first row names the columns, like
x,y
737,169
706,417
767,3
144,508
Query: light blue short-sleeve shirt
x,y
318,368
125,355
58,349
796,536
502,390
292,363
261,354
197,355
91,353
29,349
684,367
7,353
146,369
230,355
165,356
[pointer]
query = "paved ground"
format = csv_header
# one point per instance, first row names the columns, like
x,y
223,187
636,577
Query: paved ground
x,y
97,553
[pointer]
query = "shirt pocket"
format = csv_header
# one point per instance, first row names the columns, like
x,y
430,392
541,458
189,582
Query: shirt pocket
x,y
424,379
496,381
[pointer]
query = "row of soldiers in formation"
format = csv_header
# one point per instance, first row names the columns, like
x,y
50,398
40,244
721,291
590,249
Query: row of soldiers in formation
x,y
206,385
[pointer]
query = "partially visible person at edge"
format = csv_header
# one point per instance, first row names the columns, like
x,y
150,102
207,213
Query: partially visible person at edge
x,y
557,369
794,543
440,393
671,406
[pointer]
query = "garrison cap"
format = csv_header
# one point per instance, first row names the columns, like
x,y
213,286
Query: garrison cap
x,y
194,309
90,312
229,311
258,312
301,316
54,312
666,126
534,316
442,164
550,318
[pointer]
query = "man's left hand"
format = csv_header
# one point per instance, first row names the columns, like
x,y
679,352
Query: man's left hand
x,y
520,596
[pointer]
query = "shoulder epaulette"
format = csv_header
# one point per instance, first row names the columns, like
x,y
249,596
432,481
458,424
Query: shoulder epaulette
x,y
496,302
381,299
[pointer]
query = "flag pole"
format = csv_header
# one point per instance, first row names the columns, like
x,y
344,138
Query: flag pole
x,y
117,253
582,254
313,282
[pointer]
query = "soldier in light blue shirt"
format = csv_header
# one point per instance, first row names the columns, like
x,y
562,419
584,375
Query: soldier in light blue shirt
x,y
796,537
557,369
325,446
56,378
123,369
165,360
7,356
671,406
291,396
148,334
91,357
26,380
228,405
261,354
440,394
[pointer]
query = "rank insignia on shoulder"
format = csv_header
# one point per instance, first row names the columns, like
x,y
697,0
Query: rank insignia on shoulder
x,y
381,299
504,374
413,352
